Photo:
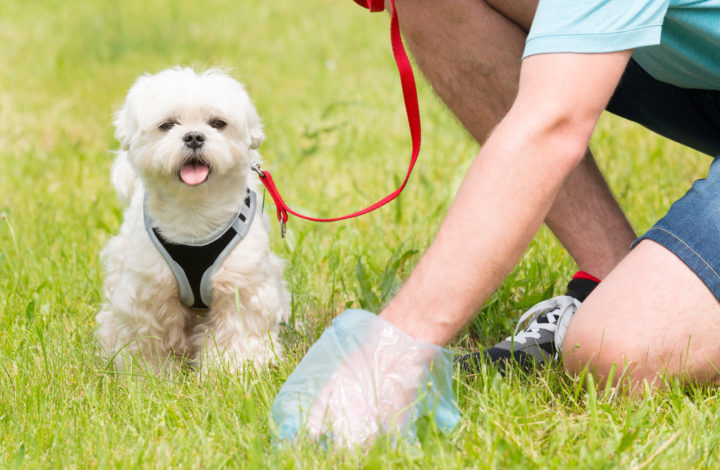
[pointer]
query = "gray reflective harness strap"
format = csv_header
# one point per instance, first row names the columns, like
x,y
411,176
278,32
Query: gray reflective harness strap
x,y
193,265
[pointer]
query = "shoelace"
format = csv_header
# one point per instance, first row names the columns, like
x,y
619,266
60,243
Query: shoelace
x,y
554,308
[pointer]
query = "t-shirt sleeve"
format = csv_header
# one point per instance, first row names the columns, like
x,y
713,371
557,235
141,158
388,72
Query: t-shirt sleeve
x,y
595,25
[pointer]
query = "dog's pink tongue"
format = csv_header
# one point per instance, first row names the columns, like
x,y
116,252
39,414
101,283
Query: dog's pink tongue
x,y
193,173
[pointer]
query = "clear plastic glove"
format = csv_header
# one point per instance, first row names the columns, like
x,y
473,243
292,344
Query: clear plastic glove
x,y
365,377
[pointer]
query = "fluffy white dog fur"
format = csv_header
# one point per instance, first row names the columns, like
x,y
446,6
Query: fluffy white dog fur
x,y
143,317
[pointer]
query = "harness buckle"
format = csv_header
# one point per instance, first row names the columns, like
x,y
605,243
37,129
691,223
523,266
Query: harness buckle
x,y
255,166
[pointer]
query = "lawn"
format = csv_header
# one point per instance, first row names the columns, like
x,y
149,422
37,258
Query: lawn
x,y
322,77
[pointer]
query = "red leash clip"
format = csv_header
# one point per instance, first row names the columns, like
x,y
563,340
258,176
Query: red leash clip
x,y
412,108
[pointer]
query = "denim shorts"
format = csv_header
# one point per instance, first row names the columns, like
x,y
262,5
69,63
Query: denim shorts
x,y
691,228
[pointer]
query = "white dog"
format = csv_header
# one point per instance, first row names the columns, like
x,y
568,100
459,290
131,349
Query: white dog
x,y
190,277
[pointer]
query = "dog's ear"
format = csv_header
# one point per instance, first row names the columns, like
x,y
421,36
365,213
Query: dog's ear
x,y
257,137
126,124
123,177
255,129
124,128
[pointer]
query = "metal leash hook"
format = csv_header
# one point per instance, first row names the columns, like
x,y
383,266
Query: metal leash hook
x,y
255,166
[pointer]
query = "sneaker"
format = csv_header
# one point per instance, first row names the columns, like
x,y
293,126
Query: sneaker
x,y
541,340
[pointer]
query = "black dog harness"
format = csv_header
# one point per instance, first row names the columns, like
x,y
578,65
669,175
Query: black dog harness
x,y
194,265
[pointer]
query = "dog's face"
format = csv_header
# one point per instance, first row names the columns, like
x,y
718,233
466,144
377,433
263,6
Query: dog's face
x,y
181,128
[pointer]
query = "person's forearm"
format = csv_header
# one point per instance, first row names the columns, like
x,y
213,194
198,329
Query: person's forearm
x,y
507,192
500,206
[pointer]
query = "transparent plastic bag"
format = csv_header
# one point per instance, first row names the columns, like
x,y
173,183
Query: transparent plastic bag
x,y
366,377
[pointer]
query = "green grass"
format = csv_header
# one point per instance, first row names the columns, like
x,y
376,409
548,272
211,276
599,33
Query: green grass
x,y
322,77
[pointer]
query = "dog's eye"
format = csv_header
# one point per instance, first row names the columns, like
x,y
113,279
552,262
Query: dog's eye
x,y
218,123
167,125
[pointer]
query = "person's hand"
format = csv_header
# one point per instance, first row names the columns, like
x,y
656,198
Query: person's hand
x,y
365,377
373,389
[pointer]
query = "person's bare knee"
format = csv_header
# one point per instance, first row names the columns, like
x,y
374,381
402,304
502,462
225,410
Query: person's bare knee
x,y
520,12
471,55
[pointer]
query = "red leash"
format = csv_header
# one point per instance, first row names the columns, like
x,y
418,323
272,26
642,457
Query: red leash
x,y
407,81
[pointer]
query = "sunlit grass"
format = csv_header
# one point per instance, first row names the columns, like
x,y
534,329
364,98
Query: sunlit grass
x,y
323,79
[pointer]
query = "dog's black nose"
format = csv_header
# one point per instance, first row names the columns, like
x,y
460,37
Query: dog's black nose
x,y
194,140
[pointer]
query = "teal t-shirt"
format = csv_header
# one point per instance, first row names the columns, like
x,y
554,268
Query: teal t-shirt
x,y
675,41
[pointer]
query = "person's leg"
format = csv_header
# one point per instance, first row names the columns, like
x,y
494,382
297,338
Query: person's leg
x,y
470,51
658,312
589,222
653,315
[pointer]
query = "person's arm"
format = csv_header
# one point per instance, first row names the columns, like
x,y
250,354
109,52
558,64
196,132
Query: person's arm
x,y
507,191
364,375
